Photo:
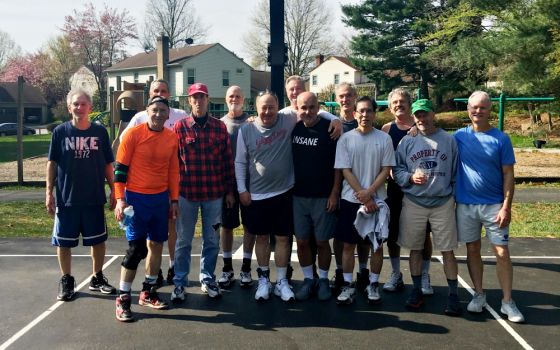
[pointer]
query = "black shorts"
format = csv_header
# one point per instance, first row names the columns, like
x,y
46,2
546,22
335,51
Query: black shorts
x,y
230,216
345,230
270,216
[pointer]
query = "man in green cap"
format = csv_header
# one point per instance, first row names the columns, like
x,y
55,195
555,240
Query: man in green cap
x,y
425,170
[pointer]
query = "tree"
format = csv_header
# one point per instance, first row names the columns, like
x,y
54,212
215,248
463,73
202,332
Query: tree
x,y
30,66
8,49
388,40
307,33
100,37
174,18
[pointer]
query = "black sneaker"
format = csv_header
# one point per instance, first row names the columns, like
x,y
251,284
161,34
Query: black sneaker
x,y
99,283
170,275
159,280
66,288
122,308
362,280
453,308
415,300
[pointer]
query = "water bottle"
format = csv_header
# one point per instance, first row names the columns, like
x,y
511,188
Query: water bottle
x,y
127,219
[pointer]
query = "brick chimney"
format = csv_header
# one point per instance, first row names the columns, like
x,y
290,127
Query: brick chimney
x,y
319,59
162,50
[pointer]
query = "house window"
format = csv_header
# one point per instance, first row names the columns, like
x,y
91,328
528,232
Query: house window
x,y
225,77
346,73
314,80
239,71
336,79
136,77
190,76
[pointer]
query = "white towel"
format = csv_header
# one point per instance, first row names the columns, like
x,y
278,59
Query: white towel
x,y
373,225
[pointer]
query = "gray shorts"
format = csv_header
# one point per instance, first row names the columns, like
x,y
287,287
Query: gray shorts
x,y
311,216
414,219
471,218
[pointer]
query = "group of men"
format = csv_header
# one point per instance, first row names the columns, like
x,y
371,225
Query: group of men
x,y
288,173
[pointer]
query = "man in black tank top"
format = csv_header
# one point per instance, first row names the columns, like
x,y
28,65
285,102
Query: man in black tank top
x,y
399,105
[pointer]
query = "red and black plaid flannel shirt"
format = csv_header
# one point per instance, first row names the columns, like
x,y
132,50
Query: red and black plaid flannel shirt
x,y
205,160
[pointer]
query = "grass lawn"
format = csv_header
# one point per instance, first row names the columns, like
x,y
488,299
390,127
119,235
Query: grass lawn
x,y
30,219
33,145
519,141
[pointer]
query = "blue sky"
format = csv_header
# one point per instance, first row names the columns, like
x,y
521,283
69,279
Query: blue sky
x,y
31,23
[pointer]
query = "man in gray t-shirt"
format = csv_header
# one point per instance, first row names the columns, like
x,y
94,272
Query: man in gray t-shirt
x,y
425,170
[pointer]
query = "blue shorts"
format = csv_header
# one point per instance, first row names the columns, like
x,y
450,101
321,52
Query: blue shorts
x,y
151,216
69,222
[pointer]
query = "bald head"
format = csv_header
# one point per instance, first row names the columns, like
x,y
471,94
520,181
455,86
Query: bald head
x,y
234,100
307,108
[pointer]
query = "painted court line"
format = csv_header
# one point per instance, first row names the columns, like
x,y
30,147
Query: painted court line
x,y
50,310
494,314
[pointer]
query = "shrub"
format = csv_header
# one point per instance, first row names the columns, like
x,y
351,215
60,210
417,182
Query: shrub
x,y
51,126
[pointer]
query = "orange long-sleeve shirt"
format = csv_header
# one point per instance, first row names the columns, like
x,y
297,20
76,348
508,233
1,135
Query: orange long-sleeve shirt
x,y
153,164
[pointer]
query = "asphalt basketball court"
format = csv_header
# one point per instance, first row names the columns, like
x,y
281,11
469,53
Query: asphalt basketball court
x,y
33,319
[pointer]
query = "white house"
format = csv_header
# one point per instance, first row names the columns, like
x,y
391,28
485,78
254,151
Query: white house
x,y
211,64
334,70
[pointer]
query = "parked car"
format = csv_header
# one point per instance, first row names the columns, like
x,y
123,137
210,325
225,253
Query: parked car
x,y
11,129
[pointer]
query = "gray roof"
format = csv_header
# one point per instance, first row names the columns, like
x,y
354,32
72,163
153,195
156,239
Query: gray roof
x,y
145,60
31,94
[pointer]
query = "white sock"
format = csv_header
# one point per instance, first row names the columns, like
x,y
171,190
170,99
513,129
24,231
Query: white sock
x,y
125,286
171,263
396,264
323,273
347,277
281,273
425,266
227,254
247,255
307,271
373,277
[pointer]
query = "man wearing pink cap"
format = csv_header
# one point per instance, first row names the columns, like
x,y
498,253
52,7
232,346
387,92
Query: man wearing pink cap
x,y
206,172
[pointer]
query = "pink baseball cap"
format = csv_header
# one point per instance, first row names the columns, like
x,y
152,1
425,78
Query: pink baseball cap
x,y
198,88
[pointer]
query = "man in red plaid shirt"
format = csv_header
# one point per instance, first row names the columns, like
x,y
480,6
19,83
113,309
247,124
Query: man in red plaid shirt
x,y
207,174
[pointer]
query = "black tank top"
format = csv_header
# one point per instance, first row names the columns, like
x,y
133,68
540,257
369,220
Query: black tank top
x,y
396,134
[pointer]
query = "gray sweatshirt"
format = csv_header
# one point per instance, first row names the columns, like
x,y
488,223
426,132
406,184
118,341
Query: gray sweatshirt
x,y
434,154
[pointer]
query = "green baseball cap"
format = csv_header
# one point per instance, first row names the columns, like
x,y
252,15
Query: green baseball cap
x,y
422,105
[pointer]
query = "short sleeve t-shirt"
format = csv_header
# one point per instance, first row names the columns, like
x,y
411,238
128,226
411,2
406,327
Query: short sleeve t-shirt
x,y
479,168
81,157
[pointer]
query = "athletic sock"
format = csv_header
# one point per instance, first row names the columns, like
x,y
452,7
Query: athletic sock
x,y
417,281
452,286
227,254
228,264
347,277
281,273
426,266
323,273
307,271
373,277
396,264
125,287
246,265
171,263
363,266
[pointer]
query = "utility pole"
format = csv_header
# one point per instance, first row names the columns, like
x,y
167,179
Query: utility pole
x,y
277,50
20,131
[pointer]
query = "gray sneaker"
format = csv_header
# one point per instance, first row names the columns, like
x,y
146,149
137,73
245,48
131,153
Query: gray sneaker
x,y
394,283
373,293
426,284
306,290
323,289
477,303
512,312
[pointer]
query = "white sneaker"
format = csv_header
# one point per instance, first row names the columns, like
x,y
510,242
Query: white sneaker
x,y
394,283
263,289
347,295
373,293
426,285
225,279
245,279
512,312
283,290
178,295
477,303
211,288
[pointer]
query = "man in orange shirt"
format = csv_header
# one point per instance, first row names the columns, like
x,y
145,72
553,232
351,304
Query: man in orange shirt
x,y
147,178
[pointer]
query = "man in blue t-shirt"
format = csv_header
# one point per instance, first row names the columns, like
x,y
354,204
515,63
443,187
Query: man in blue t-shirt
x,y
484,193
80,159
